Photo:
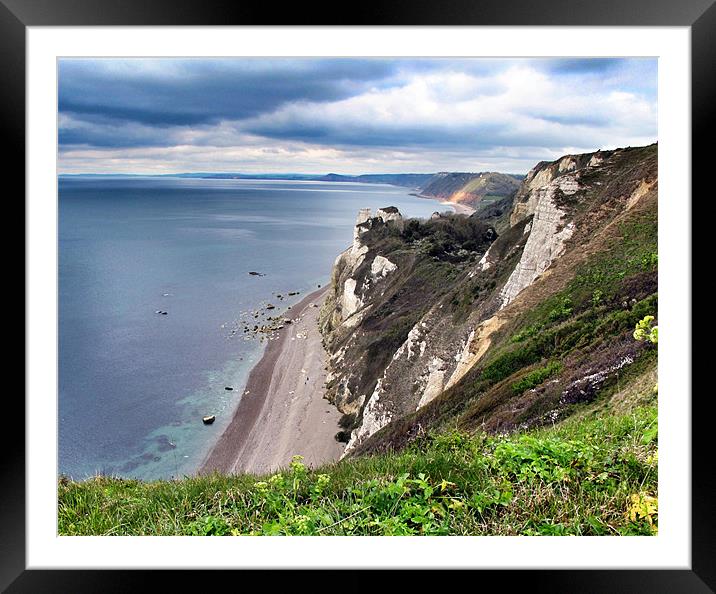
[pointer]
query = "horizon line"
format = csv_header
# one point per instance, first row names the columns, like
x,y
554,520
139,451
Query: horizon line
x,y
180,173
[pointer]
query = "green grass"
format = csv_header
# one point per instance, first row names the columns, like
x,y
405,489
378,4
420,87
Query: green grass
x,y
600,284
536,377
588,477
490,198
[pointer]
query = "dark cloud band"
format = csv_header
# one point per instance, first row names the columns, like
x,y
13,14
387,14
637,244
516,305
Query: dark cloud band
x,y
107,104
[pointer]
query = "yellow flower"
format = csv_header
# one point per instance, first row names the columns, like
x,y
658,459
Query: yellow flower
x,y
643,506
445,485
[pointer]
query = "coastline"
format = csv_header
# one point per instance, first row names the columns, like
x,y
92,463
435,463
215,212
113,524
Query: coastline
x,y
282,411
457,207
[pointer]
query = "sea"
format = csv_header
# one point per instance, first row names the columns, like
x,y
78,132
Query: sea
x,y
134,383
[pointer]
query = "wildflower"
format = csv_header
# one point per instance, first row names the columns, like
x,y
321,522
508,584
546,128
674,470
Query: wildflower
x,y
643,506
645,331
276,480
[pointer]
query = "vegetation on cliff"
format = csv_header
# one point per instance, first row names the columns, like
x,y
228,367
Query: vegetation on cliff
x,y
430,256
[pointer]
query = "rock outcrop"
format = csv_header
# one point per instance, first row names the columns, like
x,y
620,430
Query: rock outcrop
x,y
540,176
548,233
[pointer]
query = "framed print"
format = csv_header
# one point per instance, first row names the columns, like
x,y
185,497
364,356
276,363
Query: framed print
x,y
402,277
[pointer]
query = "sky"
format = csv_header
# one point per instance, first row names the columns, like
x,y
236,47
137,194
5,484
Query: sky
x,y
347,115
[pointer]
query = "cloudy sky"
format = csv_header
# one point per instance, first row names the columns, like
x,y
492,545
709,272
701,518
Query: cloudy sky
x,y
259,115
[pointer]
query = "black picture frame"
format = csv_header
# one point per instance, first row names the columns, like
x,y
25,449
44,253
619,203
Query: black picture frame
x,y
699,15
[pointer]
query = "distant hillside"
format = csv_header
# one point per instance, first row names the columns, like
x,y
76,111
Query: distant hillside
x,y
408,180
266,176
470,188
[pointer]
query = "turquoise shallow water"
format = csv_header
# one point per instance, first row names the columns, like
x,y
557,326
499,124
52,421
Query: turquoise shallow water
x,y
133,384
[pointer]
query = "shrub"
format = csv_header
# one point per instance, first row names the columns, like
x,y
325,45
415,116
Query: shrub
x,y
650,261
562,311
644,330
450,237
209,526
536,377
507,363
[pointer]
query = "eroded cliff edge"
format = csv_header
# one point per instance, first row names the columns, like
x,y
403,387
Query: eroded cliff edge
x,y
443,321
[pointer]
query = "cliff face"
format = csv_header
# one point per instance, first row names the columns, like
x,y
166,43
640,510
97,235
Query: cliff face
x,y
470,189
542,174
383,290
434,322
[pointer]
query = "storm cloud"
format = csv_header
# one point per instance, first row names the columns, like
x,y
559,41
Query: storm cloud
x,y
346,115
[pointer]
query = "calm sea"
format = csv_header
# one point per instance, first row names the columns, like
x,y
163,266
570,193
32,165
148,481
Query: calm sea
x,y
134,384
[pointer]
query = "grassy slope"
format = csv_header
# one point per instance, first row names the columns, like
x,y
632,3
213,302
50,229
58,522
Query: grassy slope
x,y
496,211
593,474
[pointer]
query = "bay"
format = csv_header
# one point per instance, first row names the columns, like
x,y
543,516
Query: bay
x,y
134,384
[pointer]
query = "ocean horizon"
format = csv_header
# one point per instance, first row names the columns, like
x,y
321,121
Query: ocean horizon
x,y
134,382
